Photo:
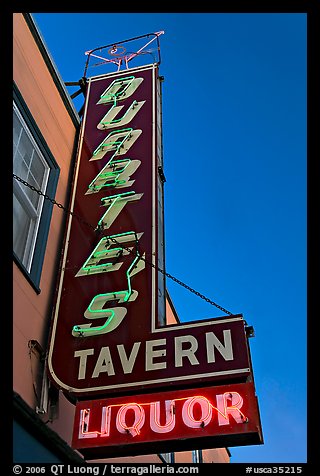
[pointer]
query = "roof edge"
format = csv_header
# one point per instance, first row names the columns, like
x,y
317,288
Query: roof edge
x,y
34,29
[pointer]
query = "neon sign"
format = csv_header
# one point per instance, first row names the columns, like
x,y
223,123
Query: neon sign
x,y
202,415
108,335
116,187
223,409
109,316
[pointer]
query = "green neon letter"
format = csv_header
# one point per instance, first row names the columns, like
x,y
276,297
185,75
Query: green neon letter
x,y
116,174
120,88
115,204
113,316
106,249
119,140
108,121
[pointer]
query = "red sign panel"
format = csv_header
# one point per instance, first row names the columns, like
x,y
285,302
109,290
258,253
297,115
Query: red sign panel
x,y
106,334
206,417
106,287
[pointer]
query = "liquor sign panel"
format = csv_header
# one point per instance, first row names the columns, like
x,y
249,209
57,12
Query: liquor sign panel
x,y
108,333
206,417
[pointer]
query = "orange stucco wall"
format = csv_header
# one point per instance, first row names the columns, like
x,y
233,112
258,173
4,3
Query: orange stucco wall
x,y
170,315
31,313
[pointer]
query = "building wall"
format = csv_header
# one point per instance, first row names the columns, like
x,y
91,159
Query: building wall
x,y
50,109
31,311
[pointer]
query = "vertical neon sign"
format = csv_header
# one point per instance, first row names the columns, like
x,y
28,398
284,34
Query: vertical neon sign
x,y
108,331
105,283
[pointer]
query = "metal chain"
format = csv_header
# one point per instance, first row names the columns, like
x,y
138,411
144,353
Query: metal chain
x,y
78,217
52,200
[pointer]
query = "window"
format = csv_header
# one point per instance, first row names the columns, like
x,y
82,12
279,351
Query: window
x,y
167,457
197,456
32,162
30,165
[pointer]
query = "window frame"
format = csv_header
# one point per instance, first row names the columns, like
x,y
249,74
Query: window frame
x,y
34,274
197,456
32,210
167,457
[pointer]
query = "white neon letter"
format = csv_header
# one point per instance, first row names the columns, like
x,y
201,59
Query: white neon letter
x,y
233,409
188,412
155,417
84,425
139,418
105,421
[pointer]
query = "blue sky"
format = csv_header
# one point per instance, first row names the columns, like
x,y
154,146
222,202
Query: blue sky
x,y
234,132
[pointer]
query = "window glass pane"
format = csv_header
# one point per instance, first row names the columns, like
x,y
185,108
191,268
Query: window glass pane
x,y
23,227
16,132
28,164
37,170
197,456
19,166
25,150
168,457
